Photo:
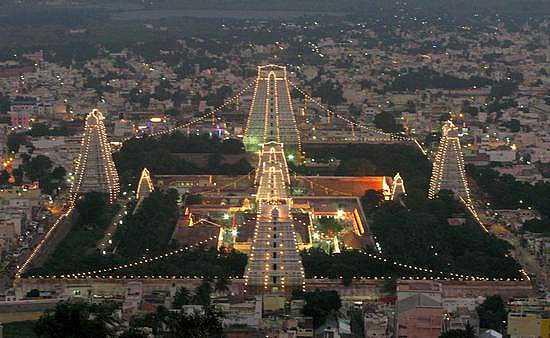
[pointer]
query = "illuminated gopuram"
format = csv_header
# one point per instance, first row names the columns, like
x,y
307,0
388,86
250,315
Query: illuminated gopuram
x,y
271,116
94,168
448,166
274,263
145,185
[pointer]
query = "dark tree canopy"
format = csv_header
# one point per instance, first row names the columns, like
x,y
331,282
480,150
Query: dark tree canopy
x,y
492,313
76,320
320,304
160,156
149,229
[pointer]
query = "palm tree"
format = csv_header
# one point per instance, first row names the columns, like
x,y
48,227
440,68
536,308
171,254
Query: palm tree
x,y
207,324
202,294
222,285
182,297
159,319
76,319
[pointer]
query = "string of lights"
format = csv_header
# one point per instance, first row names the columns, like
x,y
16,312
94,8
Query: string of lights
x,y
216,110
473,212
231,183
274,260
386,136
42,242
145,183
287,85
436,274
274,181
448,167
133,264
89,174
271,116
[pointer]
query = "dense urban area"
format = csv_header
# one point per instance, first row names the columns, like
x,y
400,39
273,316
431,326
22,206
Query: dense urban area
x,y
291,169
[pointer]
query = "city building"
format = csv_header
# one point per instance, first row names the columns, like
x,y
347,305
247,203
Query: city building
x,y
528,325
419,309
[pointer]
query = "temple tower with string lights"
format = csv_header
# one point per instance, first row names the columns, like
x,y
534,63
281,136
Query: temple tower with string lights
x,y
271,116
448,171
144,189
398,187
145,185
274,263
94,167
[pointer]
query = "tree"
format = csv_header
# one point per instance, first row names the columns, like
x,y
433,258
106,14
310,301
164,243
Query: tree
x,y
386,122
357,323
514,125
330,226
150,228
18,175
372,199
356,167
4,177
222,284
492,313
537,226
182,297
75,320
16,140
320,304
91,209
170,324
193,199
202,294
4,103
214,161
33,293
39,168
331,92
42,129
354,110
195,325
93,215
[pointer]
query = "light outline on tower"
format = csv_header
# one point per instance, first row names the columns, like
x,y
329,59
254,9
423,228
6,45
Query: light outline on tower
x,y
94,124
450,141
273,200
253,132
146,182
